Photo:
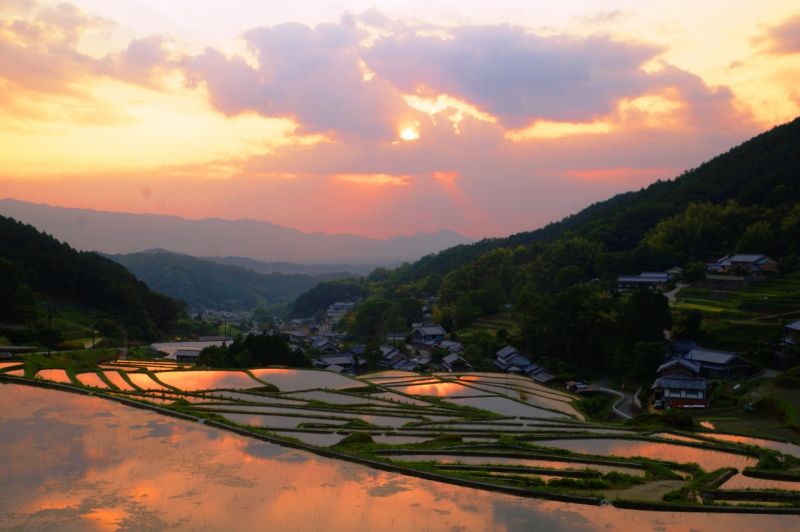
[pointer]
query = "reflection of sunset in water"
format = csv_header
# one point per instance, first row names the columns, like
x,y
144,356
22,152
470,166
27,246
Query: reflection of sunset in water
x,y
707,459
783,447
90,463
439,389
192,381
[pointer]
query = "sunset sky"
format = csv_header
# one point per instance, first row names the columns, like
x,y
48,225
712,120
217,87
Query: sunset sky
x,y
380,118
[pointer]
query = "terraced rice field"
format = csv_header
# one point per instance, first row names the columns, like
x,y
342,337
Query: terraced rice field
x,y
488,428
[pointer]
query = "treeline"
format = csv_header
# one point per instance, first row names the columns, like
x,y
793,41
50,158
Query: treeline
x,y
254,351
205,284
37,268
322,296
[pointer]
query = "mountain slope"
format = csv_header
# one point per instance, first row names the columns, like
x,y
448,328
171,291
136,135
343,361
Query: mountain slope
x,y
553,290
205,284
117,233
39,268
763,171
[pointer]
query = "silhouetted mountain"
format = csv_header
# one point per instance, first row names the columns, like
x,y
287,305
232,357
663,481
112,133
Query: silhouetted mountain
x,y
117,233
204,284
321,271
38,268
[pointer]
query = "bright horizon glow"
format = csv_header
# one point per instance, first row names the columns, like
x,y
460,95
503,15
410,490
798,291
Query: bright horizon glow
x,y
348,116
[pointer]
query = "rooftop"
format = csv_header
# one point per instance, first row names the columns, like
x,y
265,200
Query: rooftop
x,y
694,368
675,383
710,356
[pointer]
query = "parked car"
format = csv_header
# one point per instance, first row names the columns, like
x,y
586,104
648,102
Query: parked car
x,y
658,404
576,386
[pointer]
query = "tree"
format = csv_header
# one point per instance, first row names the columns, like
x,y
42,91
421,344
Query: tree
x,y
644,317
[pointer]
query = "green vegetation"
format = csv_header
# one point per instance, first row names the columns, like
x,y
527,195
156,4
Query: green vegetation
x,y
254,351
42,279
554,286
323,295
205,284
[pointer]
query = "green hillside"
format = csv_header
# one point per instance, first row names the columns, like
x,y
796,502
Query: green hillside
x,y
763,172
205,284
40,275
554,286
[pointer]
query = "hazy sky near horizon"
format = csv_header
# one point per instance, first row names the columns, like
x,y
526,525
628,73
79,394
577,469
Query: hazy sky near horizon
x,y
380,117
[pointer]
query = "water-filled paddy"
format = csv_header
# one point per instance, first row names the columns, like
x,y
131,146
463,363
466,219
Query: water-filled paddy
x,y
143,381
705,458
391,396
91,379
117,380
55,375
500,460
506,407
283,422
193,381
97,464
255,398
292,380
6,365
741,482
439,389
336,398
782,447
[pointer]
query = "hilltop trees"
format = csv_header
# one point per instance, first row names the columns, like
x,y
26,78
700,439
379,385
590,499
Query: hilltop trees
x,y
254,351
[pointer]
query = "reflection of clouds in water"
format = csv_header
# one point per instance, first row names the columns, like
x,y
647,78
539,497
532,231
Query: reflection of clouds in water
x,y
89,476
387,489
265,450
157,429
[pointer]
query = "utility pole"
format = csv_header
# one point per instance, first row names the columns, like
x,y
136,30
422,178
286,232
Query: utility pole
x,y
93,340
49,326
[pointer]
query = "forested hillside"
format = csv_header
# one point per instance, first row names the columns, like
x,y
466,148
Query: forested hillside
x,y
205,284
38,271
555,283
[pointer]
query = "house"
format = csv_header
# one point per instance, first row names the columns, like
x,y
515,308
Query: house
x,y
450,345
681,392
791,333
426,332
743,265
679,367
656,280
717,364
344,362
510,359
678,348
324,345
392,358
453,362
187,354
396,338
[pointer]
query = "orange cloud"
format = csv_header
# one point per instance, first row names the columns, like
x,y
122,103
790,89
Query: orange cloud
x,y
446,178
374,179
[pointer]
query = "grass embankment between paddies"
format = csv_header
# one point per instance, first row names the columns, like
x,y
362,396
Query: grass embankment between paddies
x,y
736,316
78,361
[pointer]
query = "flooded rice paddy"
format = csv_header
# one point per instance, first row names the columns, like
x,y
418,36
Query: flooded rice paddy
x,y
76,462
705,458
193,381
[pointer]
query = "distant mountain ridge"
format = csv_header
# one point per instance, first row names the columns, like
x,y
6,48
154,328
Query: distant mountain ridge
x,y
204,284
321,270
119,233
